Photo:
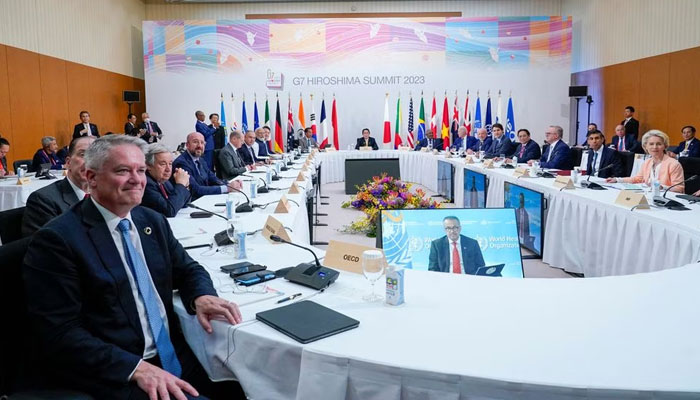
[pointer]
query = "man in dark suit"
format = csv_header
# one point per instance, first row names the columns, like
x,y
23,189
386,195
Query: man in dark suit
x,y
622,141
600,157
527,149
500,144
100,280
366,141
260,143
4,149
483,141
152,130
463,142
308,142
208,134
247,152
53,200
160,194
219,135
85,128
690,146
631,125
202,179
230,161
47,154
455,252
555,154
130,126
428,141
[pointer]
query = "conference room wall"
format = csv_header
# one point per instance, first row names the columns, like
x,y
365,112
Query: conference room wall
x,y
43,96
664,89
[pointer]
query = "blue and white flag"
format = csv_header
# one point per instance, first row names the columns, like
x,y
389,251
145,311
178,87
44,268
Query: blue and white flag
x,y
487,121
222,118
477,114
244,119
256,119
510,121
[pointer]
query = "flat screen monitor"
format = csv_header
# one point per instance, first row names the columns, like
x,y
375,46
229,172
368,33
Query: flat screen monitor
x,y
445,180
421,239
475,185
529,215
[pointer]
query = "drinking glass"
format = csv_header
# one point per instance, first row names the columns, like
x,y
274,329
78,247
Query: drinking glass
x,y
373,266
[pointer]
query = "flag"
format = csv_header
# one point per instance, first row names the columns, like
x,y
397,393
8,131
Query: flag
x,y
433,118
324,125
290,125
387,124
467,116
244,119
510,120
222,117
477,113
234,123
267,115
487,120
397,125
454,128
499,111
279,148
256,119
410,122
334,123
300,114
313,119
445,129
421,120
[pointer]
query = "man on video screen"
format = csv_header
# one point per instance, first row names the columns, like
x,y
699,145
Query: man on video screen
x,y
455,252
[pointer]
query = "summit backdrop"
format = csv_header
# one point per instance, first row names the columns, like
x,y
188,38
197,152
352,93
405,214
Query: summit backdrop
x,y
189,64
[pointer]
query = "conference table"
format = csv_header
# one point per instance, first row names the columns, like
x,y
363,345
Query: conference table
x,y
585,231
456,336
13,195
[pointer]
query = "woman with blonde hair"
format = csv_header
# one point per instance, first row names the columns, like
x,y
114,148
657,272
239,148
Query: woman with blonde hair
x,y
660,166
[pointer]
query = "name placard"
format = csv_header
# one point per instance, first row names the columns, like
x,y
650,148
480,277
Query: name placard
x,y
630,199
435,151
404,148
424,149
345,256
521,171
283,206
294,189
300,177
469,160
488,163
24,181
365,148
330,149
563,182
448,154
274,227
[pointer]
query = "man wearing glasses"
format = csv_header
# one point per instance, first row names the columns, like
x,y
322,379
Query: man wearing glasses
x,y
455,252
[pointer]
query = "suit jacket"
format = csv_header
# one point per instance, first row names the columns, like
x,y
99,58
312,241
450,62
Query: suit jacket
x,y
532,151
220,138
202,180
154,128
81,301
79,127
3,162
693,148
47,203
130,130
670,173
262,148
506,147
304,145
41,157
437,143
207,132
361,142
231,163
631,128
609,157
459,142
440,258
560,156
247,154
154,199
481,146
631,144
62,153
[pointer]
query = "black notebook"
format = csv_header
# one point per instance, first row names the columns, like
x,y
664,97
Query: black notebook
x,y
307,321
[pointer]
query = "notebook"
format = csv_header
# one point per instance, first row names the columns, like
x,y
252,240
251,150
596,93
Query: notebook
x,y
306,321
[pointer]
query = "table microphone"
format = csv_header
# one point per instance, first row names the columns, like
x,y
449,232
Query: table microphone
x,y
262,189
276,176
205,210
592,185
276,238
314,276
245,207
672,204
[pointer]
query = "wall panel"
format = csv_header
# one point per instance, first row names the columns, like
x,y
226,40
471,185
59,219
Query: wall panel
x,y
54,99
78,82
684,91
653,93
23,74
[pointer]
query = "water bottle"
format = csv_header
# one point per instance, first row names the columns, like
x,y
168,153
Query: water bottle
x,y
230,209
515,161
253,189
268,176
239,248
656,188
394,285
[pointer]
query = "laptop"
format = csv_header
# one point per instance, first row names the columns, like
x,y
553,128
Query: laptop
x,y
306,321
490,270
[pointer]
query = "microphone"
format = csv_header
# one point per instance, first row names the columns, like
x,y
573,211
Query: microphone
x,y
245,207
276,176
672,204
262,189
592,185
307,274
205,210
278,239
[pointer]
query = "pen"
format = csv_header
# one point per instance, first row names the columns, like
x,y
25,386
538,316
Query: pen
x,y
292,297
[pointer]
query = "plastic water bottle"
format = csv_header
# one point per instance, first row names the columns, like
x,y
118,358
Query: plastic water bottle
x,y
656,188
268,176
394,285
230,209
515,161
253,189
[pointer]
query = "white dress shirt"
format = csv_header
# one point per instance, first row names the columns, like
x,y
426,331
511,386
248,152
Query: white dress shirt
x,y
79,193
551,149
89,132
597,158
256,148
459,250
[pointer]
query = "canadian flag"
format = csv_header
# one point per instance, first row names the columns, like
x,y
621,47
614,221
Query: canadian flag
x,y
433,118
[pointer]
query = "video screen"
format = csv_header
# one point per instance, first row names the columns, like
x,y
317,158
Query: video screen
x,y
445,186
528,205
474,189
485,240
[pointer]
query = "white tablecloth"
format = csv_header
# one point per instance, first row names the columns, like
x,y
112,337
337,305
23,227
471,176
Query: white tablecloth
x,y
13,195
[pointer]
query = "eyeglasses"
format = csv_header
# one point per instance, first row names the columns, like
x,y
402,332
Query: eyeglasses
x,y
453,228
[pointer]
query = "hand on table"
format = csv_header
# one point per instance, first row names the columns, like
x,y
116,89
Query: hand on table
x,y
611,180
182,177
235,185
160,384
208,307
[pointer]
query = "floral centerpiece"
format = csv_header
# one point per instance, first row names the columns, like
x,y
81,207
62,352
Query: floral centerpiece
x,y
384,193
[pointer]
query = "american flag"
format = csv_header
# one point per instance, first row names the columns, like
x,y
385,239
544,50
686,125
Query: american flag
x,y
410,122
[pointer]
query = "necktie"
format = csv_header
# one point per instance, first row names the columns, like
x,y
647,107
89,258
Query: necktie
x,y
252,155
622,144
455,259
162,190
366,142
595,157
549,152
150,130
198,167
87,196
89,133
522,151
165,348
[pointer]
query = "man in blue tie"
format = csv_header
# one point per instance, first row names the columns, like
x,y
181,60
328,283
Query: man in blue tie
x,y
208,133
556,154
100,281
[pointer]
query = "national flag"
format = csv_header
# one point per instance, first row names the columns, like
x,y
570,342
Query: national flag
x,y
487,120
313,119
300,114
410,123
433,118
234,122
279,148
499,111
477,113
256,118
324,125
467,116
454,128
267,114
421,120
290,125
397,125
244,118
445,129
387,124
510,120
334,123
222,118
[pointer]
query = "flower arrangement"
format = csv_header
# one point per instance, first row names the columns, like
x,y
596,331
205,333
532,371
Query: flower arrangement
x,y
384,193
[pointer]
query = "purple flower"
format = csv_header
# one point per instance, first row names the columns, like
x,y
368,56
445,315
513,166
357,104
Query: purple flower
x,y
356,203
382,203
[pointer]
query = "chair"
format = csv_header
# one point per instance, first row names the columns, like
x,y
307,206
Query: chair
x,y
11,224
627,160
217,164
691,166
575,155
20,163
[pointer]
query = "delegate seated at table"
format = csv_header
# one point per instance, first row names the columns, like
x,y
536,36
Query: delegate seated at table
x,y
667,170
555,155
527,149
308,142
500,144
429,141
690,146
455,252
366,141
463,142
4,149
624,141
601,157
483,142
47,154
160,194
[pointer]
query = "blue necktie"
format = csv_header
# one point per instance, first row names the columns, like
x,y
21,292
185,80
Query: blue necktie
x,y
165,348
595,157
199,166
